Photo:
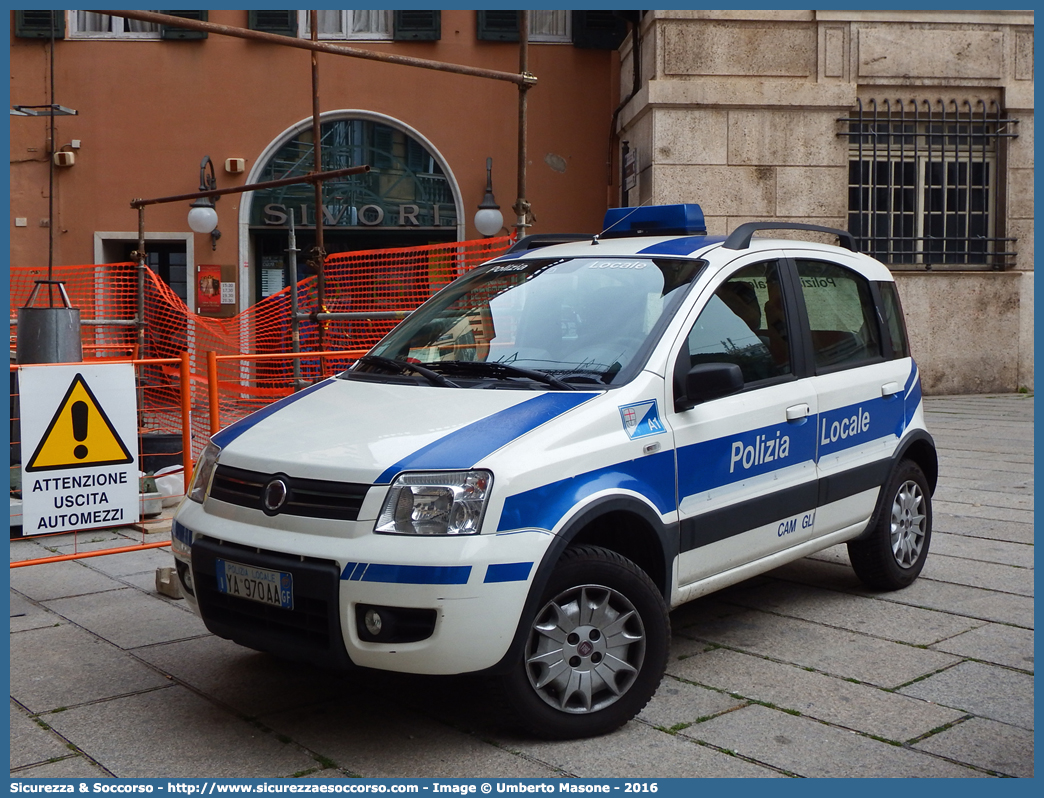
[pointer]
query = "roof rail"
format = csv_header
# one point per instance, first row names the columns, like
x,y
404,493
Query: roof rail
x,y
545,240
740,237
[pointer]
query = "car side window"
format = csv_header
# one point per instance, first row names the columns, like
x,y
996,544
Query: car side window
x,y
893,319
841,315
745,323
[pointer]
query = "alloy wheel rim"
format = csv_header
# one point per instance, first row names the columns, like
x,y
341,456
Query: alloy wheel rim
x,y
908,524
585,649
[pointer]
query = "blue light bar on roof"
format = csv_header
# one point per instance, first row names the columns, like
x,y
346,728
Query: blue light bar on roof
x,y
654,220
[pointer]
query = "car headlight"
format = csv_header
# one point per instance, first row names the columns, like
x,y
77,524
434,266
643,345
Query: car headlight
x,y
203,473
436,503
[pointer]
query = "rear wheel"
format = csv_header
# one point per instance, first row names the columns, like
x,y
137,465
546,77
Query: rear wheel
x,y
595,651
893,554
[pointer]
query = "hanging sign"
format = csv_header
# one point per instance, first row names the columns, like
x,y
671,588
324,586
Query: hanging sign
x,y
79,447
208,287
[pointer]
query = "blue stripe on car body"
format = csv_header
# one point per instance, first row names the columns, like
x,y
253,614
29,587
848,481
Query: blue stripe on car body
x,y
543,507
508,572
233,431
406,574
469,444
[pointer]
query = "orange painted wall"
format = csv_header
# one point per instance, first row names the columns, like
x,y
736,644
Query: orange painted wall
x,y
150,110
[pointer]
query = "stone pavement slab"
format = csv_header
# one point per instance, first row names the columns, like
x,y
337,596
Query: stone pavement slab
x,y
129,618
833,651
853,706
174,732
805,747
31,743
640,752
678,703
883,619
975,573
363,738
1007,750
1001,645
997,551
59,580
63,666
980,689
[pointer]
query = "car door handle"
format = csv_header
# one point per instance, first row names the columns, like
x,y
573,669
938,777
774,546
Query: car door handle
x,y
890,389
797,412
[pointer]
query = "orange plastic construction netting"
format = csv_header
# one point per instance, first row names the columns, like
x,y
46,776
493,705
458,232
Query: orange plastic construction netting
x,y
372,281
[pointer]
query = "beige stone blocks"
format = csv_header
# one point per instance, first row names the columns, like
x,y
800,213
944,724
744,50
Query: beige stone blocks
x,y
901,51
739,48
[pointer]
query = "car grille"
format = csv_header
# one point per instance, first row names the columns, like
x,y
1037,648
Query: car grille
x,y
313,498
311,631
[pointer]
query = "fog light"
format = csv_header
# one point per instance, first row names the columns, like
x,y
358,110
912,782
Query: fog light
x,y
372,620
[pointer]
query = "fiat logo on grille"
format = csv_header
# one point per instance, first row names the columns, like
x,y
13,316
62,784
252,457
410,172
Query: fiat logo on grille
x,y
274,496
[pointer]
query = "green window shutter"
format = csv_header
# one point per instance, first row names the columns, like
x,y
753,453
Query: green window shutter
x,y
418,25
498,26
281,22
598,30
36,24
172,32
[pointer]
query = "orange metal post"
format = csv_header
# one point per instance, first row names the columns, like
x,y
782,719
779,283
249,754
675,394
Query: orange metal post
x,y
212,392
186,416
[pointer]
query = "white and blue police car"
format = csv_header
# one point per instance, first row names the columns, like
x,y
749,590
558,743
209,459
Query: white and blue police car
x,y
532,469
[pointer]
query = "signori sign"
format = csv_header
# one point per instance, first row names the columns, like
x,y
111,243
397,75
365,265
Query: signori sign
x,y
79,447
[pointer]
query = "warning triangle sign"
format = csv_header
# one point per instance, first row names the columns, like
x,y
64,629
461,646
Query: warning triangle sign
x,y
80,435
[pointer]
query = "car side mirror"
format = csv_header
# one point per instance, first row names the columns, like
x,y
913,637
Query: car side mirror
x,y
707,381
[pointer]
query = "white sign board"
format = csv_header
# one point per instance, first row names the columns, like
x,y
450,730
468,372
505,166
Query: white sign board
x,y
79,427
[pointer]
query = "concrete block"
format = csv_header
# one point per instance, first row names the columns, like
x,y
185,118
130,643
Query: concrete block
x,y
167,583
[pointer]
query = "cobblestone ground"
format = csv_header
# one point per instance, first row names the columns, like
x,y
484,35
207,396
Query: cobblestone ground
x,y
800,672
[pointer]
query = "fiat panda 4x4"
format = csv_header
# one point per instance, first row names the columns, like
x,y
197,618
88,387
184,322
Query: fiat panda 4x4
x,y
532,469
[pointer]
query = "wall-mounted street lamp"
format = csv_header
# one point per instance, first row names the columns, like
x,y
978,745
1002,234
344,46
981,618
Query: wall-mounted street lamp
x,y
203,217
489,220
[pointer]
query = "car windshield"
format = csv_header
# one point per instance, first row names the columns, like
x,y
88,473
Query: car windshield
x,y
561,322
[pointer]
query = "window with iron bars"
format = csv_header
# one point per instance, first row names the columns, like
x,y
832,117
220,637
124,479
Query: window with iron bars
x,y
924,183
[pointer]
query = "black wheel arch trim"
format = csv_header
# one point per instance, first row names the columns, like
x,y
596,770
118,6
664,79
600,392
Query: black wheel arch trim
x,y
666,533
924,442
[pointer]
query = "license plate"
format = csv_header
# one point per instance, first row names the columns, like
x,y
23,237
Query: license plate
x,y
275,588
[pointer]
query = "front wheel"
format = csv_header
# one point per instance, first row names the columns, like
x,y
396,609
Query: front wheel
x,y
893,554
595,651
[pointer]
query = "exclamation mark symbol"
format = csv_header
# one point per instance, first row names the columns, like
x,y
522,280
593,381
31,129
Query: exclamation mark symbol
x,y
79,424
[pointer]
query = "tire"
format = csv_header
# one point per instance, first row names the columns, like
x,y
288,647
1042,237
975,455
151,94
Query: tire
x,y
594,653
894,552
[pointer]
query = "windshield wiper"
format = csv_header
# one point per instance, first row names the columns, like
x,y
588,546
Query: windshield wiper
x,y
496,369
403,367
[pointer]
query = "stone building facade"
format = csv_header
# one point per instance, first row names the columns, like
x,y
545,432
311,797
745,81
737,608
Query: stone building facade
x,y
860,120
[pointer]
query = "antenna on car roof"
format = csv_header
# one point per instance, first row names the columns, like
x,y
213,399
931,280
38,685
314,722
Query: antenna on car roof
x,y
594,239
